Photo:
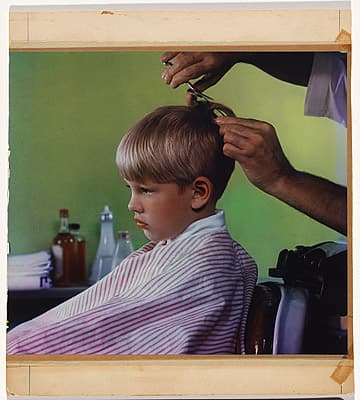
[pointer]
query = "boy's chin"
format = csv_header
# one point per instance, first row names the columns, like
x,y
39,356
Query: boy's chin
x,y
154,238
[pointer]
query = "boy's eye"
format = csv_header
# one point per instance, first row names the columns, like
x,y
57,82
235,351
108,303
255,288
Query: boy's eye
x,y
139,188
145,190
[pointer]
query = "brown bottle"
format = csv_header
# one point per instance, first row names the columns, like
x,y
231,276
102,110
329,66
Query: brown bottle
x,y
78,272
63,251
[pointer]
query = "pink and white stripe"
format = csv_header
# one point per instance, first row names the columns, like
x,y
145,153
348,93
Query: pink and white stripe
x,y
189,295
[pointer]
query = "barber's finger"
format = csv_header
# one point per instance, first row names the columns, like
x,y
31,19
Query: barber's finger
x,y
243,155
243,140
207,81
247,146
184,59
233,152
170,70
248,122
236,130
181,73
190,99
168,55
185,66
174,77
248,141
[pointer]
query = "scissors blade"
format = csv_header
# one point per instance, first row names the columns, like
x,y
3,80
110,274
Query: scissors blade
x,y
197,92
192,90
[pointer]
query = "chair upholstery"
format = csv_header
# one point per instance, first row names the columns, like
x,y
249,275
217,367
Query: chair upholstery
x,y
276,319
261,319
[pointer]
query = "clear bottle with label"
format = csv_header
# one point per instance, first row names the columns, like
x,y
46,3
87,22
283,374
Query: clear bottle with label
x,y
62,249
123,248
102,262
78,272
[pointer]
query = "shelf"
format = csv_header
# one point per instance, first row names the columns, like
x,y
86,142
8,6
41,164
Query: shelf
x,y
24,305
52,293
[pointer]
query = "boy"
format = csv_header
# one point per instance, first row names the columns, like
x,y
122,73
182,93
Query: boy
x,y
188,290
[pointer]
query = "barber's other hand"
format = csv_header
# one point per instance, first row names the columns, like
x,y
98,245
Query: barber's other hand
x,y
211,67
255,145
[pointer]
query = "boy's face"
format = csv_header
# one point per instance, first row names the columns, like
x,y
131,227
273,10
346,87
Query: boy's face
x,y
162,210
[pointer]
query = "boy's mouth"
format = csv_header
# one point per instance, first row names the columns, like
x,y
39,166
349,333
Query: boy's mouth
x,y
140,223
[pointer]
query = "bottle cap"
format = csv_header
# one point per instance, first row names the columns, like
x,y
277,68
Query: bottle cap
x,y
106,215
64,212
123,234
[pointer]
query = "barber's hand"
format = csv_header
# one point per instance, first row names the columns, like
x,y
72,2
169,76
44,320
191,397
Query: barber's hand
x,y
255,145
211,67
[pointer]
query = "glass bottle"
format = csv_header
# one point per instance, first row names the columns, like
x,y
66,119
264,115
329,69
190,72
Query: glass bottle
x,y
62,249
78,272
122,249
102,262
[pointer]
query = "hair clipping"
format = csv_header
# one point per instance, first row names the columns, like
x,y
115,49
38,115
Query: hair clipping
x,y
198,94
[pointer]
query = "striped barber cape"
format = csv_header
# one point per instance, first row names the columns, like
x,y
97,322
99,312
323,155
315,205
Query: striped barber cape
x,y
188,295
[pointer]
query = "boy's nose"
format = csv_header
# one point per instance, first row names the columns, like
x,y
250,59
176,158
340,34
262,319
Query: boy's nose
x,y
134,205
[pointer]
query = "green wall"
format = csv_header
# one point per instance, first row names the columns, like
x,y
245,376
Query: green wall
x,y
68,112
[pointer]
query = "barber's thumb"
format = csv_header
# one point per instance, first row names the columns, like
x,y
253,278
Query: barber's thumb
x,y
190,99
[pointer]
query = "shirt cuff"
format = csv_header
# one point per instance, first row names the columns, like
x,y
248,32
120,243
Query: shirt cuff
x,y
326,92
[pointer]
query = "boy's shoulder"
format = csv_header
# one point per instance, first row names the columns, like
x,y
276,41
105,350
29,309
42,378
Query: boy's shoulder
x,y
221,236
217,242
224,238
220,248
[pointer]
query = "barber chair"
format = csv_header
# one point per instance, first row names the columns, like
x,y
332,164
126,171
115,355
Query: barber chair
x,y
303,310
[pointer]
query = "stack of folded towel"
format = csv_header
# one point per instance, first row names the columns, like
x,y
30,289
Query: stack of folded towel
x,y
29,271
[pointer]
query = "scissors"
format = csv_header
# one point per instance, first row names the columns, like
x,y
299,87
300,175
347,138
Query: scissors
x,y
192,90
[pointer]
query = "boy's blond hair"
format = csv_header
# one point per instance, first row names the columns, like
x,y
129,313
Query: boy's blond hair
x,y
176,144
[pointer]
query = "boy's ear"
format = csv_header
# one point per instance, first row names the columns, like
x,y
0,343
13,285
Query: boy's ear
x,y
202,192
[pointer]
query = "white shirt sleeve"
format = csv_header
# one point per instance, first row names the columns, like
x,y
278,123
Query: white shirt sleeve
x,y
326,92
